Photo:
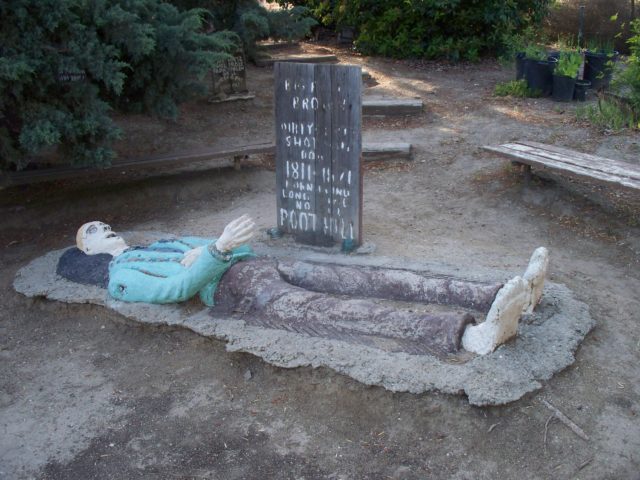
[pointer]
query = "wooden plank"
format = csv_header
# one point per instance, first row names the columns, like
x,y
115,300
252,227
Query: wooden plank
x,y
369,152
324,180
295,138
586,158
276,45
318,150
391,106
379,151
568,169
268,61
25,177
601,164
346,154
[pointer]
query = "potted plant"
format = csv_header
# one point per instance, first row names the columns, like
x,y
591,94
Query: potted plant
x,y
565,74
538,69
580,93
513,48
600,59
520,61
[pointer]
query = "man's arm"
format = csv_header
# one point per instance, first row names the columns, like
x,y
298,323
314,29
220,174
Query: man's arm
x,y
235,234
205,265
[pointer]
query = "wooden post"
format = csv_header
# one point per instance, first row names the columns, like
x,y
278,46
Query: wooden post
x,y
318,152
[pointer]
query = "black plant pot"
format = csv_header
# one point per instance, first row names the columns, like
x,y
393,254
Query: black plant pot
x,y
539,75
598,68
580,93
563,88
520,62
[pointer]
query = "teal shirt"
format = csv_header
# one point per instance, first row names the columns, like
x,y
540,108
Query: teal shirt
x,y
154,274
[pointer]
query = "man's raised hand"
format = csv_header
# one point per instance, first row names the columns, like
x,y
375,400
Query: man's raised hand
x,y
236,233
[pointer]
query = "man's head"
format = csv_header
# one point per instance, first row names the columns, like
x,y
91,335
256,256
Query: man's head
x,y
96,237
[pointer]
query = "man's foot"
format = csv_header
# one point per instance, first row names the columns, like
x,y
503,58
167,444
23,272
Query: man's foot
x,y
534,276
502,320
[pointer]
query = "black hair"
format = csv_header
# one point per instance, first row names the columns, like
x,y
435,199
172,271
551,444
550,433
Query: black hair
x,y
78,267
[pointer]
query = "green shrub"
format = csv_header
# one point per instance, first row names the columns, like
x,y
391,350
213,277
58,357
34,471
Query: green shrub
x,y
64,64
568,64
608,115
429,28
623,111
535,52
514,88
252,22
627,82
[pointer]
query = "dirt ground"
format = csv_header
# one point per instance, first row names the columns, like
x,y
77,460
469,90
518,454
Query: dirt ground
x,y
85,394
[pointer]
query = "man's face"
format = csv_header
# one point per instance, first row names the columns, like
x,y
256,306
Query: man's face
x,y
97,237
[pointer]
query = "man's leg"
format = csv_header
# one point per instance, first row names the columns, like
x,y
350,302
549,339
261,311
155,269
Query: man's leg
x,y
392,284
502,320
256,292
518,296
535,276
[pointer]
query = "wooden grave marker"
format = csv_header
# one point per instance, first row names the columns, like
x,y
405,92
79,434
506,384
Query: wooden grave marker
x,y
229,77
318,153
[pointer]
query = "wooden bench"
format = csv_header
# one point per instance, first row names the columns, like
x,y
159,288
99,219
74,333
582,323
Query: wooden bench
x,y
370,151
238,154
570,163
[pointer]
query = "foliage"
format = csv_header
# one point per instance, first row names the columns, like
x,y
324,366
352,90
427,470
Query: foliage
x,y
177,57
514,43
64,64
252,22
600,46
621,111
628,79
429,28
514,88
604,20
609,115
535,52
568,64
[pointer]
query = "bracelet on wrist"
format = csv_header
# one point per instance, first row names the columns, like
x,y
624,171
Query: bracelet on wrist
x,y
213,250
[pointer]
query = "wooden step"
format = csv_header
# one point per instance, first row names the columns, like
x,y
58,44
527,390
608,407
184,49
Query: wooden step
x,y
276,45
386,151
391,106
308,58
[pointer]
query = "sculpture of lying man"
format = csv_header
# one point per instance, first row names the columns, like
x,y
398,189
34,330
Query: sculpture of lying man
x,y
301,296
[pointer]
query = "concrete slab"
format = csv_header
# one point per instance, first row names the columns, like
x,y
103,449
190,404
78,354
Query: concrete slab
x,y
545,344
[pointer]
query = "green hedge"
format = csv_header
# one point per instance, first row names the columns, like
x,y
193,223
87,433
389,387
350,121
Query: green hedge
x,y
455,29
65,64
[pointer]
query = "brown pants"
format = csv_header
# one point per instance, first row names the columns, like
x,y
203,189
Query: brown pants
x,y
343,302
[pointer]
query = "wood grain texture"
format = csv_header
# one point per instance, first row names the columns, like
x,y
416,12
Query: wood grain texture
x,y
57,173
318,152
570,163
372,151
579,159
392,106
266,62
